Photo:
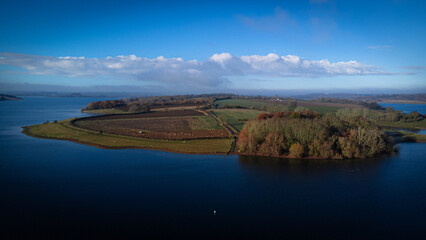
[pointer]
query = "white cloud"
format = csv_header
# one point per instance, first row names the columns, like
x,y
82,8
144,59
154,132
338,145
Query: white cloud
x,y
177,71
221,58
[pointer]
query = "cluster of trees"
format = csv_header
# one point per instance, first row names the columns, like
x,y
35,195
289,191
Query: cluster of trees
x,y
118,104
170,100
289,115
389,115
137,107
313,135
106,104
233,106
200,99
143,104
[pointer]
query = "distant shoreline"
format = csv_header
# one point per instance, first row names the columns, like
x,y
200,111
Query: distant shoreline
x,y
403,102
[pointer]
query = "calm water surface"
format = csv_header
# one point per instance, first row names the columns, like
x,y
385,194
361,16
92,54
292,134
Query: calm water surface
x,y
407,108
62,190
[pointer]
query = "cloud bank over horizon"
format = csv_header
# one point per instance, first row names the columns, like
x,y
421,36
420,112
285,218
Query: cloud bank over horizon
x,y
177,71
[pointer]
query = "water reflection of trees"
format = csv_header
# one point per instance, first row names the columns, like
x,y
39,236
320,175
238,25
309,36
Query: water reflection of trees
x,y
310,166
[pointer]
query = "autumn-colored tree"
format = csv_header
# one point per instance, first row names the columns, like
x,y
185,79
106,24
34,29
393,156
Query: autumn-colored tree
x,y
296,150
309,134
273,145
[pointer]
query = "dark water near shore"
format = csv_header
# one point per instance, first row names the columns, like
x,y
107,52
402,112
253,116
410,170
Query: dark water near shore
x,y
62,190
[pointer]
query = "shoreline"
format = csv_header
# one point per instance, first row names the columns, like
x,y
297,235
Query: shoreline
x,y
27,131
402,102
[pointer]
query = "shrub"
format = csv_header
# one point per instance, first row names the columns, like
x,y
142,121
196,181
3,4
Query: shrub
x,y
273,145
137,107
296,150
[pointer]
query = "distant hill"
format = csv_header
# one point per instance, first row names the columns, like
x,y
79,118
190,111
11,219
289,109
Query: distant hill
x,y
4,97
419,98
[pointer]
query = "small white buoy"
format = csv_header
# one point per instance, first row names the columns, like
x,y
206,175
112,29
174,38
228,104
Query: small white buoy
x,y
214,212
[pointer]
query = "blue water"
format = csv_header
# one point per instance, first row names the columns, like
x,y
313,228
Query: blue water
x,y
407,108
421,131
53,189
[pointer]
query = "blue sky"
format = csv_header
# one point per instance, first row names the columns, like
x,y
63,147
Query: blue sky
x,y
312,45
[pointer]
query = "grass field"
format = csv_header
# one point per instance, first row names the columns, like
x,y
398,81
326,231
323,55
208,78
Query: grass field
x,y
175,108
206,122
171,125
280,106
323,109
236,117
255,104
413,136
403,136
63,130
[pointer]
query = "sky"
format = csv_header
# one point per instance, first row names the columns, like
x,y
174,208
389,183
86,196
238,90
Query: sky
x,y
183,47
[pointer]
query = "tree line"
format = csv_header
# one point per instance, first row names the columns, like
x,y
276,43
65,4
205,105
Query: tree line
x,y
370,105
388,115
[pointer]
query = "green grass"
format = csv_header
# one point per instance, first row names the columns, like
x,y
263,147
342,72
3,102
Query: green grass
x,y
323,109
403,136
236,117
255,104
106,111
207,123
413,136
64,131
275,107
413,125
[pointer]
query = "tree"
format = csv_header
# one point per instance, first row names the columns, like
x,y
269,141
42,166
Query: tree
x,y
415,116
137,107
296,150
273,145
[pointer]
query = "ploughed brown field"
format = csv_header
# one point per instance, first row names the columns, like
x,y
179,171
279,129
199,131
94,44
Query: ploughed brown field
x,y
173,125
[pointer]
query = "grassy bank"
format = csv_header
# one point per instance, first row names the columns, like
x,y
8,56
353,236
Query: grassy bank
x,y
254,104
398,124
106,111
402,136
62,130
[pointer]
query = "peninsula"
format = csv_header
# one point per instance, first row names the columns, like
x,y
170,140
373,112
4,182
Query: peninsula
x,y
233,124
5,97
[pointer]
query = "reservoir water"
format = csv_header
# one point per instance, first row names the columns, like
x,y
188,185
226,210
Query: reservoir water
x,y
53,189
406,108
